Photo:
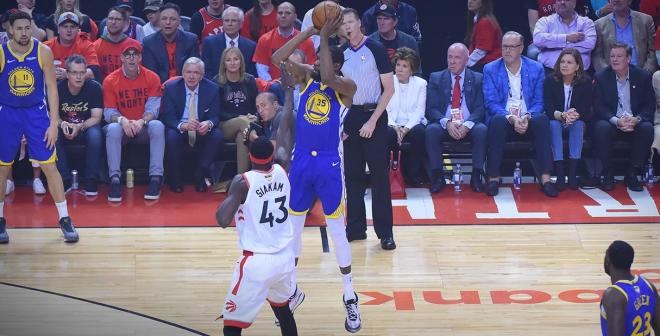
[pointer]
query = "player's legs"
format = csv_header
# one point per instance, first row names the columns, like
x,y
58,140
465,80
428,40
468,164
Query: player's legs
x,y
247,292
287,321
4,173
10,138
301,198
281,291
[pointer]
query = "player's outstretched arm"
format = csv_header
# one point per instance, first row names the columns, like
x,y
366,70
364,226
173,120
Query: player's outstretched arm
x,y
238,190
344,86
615,309
287,129
300,72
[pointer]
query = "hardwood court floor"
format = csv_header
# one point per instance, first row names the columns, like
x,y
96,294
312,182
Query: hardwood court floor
x,y
181,275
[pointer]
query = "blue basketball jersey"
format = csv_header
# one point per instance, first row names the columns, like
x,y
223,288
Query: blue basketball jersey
x,y
21,77
320,118
639,309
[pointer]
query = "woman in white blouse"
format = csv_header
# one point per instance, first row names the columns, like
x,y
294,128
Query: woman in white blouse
x,y
405,113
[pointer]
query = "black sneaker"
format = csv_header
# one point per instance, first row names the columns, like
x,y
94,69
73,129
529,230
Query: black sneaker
x,y
153,192
91,188
633,183
115,192
4,237
70,233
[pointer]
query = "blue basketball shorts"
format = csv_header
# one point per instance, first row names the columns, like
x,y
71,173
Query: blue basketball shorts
x,y
316,174
29,121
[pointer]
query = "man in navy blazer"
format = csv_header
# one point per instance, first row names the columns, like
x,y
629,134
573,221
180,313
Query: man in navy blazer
x,y
214,46
625,103
513,93
455,112
157,54
182,97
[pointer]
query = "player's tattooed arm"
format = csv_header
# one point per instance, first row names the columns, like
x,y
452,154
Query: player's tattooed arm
x,y
238,190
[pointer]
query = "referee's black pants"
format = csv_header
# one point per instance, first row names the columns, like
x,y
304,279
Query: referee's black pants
x,y
374,152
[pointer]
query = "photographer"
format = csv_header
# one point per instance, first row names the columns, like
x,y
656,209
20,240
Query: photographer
x,y
269,111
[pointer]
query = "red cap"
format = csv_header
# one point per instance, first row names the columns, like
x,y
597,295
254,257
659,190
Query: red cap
x,y
132,44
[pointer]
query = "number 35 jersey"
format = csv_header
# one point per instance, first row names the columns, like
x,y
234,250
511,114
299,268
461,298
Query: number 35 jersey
x,y
262,220
319,119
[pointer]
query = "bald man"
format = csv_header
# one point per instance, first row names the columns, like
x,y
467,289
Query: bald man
x,y
455,113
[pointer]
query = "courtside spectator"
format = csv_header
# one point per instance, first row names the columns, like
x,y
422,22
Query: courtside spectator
x,y
207,21
151,14
624,100
238,93
276,38
269,110
165,52
564,29
389,36
405,112
130,28
483,35
81,110
406,13
567,94
191,108
110,46
87,25
71,42
455,112
260,19
631,27
513,96
214,46
132,97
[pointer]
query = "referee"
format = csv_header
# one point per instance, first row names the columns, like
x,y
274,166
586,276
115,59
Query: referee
x,y
367,64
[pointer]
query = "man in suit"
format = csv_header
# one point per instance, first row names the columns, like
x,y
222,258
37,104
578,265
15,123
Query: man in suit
x,y
513,95
191,109
214,46
165,51
455,112
624,101
631,27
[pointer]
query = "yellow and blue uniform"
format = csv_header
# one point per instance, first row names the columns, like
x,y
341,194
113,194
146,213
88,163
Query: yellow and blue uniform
x,y
23,108
316,166
640,306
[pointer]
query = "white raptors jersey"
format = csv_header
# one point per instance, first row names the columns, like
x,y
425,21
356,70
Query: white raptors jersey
x,y
262,220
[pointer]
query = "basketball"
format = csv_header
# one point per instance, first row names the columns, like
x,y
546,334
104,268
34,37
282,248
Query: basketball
x,y
323,10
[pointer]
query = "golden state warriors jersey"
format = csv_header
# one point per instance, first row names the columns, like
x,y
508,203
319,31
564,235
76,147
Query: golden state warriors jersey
x,y
320,118
640,307
21,77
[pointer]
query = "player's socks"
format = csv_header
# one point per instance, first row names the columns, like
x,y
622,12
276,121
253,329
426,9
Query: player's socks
x,y
231,331
287,322
62,210
349,292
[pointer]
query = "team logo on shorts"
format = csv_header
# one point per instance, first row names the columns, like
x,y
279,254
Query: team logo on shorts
x,y
230,306
21,81
317,108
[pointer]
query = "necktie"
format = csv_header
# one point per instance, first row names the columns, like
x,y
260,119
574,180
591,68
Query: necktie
x,y
232,43
456,95
192,115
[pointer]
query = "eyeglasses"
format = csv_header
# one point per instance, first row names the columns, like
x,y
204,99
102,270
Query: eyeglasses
x,y
509,47
131,55
77,73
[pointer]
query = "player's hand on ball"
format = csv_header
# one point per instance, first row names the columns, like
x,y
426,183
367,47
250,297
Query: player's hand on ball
x,y
331,26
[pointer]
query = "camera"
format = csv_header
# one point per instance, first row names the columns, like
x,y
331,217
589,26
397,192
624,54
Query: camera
x,y
257,128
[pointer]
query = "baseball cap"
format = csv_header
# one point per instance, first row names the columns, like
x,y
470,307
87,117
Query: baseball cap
x,y
5,16
152,5
68,16
125,4
132,46
386,10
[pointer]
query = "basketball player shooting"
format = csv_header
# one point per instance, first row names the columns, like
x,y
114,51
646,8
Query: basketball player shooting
x,y
316,162
258,200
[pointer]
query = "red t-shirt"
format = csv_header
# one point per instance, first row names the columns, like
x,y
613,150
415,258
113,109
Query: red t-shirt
x,y
130,96
81,46
268,23
487,37
545,7
171,57
271,41
109,53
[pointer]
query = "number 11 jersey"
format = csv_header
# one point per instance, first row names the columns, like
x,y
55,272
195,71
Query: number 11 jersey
x,y
262,220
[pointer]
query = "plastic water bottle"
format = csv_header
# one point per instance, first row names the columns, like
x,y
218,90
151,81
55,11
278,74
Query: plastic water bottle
x,y
74,184
457,177
648,176
517,176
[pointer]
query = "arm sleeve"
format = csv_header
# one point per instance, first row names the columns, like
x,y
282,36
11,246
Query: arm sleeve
x,y
589,42
650,64
476,56
196,25
433,109
486,37
96,95
380,54
168,115
544,38
492,96
536,107
151,106
419,105
109,101
263,71
90,54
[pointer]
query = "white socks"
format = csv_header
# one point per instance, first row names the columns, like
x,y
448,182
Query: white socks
x,y
349,292
62,209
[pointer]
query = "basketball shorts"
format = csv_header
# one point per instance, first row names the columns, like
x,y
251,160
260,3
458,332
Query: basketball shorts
x,y
258,277
29,121
316,174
